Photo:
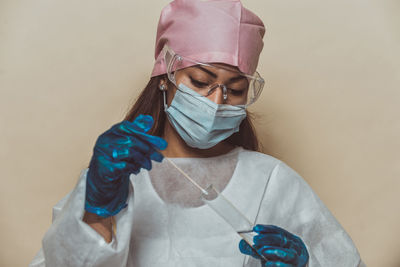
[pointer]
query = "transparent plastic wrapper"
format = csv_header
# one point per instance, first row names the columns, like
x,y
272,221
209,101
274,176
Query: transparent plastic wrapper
x,y
234,217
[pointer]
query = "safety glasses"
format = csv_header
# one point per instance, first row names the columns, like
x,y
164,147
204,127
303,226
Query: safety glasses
x,y
238,88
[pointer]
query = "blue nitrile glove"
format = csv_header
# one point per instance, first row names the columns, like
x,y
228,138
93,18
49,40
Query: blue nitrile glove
x,y
118,152
280,247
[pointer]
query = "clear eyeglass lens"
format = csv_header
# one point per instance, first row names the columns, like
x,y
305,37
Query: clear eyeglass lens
x,y
242,90
232,94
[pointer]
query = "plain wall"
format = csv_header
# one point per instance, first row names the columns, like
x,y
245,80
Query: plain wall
x,y
330,109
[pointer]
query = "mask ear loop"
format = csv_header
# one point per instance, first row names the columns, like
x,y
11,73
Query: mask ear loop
x,y
164,89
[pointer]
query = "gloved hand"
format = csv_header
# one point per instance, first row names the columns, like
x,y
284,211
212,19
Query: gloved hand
x,y
123,149
280,247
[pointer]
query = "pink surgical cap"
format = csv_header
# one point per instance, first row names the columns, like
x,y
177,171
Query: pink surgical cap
x,y
210,31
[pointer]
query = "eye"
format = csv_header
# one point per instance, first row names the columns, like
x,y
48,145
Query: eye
x,y
236,92
198,83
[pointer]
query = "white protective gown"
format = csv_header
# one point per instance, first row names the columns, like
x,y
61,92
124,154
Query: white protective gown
x,y
165,224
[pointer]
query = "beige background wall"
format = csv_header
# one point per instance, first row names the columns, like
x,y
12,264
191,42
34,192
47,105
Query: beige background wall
x,y
71,69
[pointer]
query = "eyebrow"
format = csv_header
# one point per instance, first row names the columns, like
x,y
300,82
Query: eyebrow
x,y
233,79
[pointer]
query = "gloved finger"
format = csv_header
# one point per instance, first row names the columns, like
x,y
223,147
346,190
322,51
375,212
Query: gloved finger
x,y
115,151
278,254
119,140
293,242
140,145
129,153
143,123
285,236
123,141
135,168
124,152
126,129
129,141
265,229
145,162
156,156
298,245
271,239
120,153
139,158
112,138
111,170
156,141
277,264
106,166
246,249
149,150
130,167
140,126
152,140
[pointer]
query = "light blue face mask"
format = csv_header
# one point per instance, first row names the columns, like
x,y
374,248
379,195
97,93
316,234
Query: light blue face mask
x,y
201,122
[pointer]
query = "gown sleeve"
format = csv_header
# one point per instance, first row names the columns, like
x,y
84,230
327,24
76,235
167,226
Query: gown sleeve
x,y
290,203
72,242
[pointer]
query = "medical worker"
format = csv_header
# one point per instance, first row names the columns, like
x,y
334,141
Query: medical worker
x,y
132,207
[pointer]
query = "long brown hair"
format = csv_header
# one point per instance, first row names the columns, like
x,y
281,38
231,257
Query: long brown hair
x,y
150,102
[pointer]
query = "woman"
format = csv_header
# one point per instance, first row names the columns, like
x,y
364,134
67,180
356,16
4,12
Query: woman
x,y
132,208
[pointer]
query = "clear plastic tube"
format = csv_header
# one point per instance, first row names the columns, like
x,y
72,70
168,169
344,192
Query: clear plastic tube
x,y
224,208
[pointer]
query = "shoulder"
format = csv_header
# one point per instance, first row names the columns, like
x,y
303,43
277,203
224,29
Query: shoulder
x,y
259,166
257,157
270,165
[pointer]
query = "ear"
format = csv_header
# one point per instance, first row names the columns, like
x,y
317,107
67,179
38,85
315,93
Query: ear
x,y
162,85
